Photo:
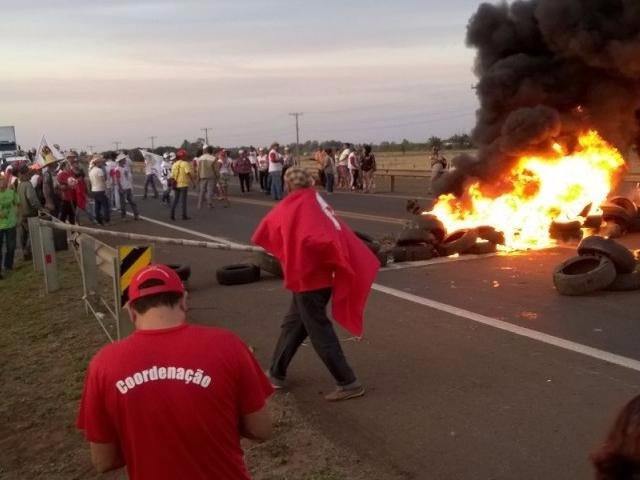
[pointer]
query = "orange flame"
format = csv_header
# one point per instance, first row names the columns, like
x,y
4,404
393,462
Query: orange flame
x,y
541,190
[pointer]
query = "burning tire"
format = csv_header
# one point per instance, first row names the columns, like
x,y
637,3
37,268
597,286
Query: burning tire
x,y
615,213
482,248
414,236
413,253
625,282
593,221
621,256
269,264
369,241
566,231
238,274
458,242
490,234
583,275
626,204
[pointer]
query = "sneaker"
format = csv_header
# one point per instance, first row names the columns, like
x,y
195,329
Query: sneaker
x,y
276,383
340,394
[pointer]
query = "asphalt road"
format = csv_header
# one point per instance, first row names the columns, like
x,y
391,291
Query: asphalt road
x,y
475,369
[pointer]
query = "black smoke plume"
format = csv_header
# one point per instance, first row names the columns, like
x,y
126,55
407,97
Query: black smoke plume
x,y
549,70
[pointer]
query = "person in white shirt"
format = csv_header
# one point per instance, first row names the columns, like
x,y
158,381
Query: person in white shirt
x,y
110,168
353,163
164,178
98,181
225,172
253,158
275,172
263,170
343,170
150,174
124,179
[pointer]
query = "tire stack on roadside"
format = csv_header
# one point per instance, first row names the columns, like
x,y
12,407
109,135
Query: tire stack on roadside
x,y
601,264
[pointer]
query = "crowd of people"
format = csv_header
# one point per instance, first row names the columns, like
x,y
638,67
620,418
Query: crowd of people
x,y
349,169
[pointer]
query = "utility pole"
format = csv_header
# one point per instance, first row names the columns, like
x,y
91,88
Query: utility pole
x,y
117,144
297,115
206,134
152,137
90,148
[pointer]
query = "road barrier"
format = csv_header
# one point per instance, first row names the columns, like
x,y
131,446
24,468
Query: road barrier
x,y
101,264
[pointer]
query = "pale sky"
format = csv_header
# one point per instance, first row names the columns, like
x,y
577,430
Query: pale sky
x,y
88,72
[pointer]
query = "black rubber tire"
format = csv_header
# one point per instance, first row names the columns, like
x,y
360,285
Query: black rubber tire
x,y
566,231
626,282
458,242
413,207
269,264
413,253
60,242
414,236
431,223
616,213
183,271
593,221
583,275
238,274
369,241
383,258
627,204
482,248
634,225
490,234
621,256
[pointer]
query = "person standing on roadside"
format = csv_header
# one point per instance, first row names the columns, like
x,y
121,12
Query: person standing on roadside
x,y
28,205
263,169
182,175
328,169
353,163
322,260
67,183
369,167
343,169
50,189
150,176
8,223
172,400
253,158
164,178
288,161
98,182
124,182
275,172
207,176
225,167
243,169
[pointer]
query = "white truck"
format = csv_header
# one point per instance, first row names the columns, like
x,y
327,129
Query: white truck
x,y
9,149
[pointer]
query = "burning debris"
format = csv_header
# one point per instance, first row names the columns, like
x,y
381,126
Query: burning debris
x,y
559,91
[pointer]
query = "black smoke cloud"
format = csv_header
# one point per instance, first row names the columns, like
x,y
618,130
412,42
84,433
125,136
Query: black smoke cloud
x,y
549,70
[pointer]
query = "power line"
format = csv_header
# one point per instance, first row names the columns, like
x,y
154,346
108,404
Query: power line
x,y
117,144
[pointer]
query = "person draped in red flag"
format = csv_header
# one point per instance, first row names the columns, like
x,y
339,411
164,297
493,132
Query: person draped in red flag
x,y
321,259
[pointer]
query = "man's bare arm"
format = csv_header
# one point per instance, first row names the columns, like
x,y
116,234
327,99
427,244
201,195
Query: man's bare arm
x,y
257,425
106,456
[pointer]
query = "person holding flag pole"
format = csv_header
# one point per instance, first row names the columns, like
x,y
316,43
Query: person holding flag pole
x,y
321,259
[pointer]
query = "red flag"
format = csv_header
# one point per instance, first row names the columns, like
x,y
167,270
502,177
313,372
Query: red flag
x,y
317,251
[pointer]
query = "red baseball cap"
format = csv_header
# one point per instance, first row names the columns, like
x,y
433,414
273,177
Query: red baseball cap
x,y
181,153
166,281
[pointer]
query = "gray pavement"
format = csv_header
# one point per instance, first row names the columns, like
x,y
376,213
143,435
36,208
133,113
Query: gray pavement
x,y
448,398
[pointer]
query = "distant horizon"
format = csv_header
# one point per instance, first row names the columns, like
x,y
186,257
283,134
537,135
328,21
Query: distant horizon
x,y
114,71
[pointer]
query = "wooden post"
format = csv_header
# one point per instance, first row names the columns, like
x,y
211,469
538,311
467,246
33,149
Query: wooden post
x,y
393,183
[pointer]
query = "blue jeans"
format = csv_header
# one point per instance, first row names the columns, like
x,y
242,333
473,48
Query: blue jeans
x,y
328,182
8,237
276,185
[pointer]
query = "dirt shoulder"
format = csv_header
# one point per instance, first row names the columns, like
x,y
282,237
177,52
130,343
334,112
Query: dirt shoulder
x,y
47,342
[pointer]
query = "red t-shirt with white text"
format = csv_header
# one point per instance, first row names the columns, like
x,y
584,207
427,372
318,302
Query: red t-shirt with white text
x,y
172,399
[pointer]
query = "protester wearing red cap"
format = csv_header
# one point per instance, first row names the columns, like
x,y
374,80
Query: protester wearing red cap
x,y
181,173
173,399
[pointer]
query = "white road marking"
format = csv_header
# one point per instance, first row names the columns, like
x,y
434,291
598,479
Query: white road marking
x,y
598,354
515,329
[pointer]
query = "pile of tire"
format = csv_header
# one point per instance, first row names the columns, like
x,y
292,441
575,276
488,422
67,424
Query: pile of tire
x,y
375,246
419,239
620,216
471,241
601,264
